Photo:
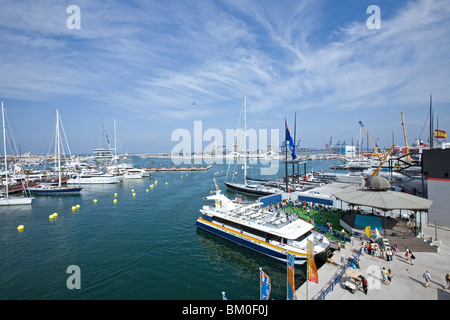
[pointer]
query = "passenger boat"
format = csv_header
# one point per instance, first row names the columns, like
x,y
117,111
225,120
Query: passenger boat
x,y
268,232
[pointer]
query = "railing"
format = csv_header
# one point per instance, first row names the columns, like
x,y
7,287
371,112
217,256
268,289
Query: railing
x,y
333,282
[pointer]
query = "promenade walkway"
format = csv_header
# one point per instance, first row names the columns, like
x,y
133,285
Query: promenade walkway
x,y
407,283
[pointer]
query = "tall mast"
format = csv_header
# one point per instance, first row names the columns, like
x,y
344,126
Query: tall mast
x,y
245,140
4,152
58,150
115,143
431,124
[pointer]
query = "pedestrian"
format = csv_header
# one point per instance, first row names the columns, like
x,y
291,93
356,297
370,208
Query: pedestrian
x,y
447,280
384,276
427,278
365,285
411,257
388,254
389,275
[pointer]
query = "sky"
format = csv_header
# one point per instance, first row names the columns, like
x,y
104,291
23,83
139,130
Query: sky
x,y
160,66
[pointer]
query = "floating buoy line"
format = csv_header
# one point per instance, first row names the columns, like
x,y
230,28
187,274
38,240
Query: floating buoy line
x,y
74,208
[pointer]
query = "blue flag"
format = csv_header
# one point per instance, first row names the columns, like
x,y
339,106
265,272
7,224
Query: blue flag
x,y
291,295
291,141
265,286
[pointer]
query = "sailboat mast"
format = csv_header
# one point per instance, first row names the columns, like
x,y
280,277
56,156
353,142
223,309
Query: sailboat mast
x,y
4,152
245,140
431,124
115,143
58,150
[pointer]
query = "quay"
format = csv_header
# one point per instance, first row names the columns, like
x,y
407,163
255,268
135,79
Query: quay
x,y
407,283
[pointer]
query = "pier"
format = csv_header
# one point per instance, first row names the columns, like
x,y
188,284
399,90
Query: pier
x,y
407,283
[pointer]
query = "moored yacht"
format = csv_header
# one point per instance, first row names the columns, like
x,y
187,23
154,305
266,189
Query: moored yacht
x,y
260,229
94,178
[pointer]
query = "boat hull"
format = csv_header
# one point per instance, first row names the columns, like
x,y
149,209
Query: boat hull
x,y
248,191
15,201
95,180
276,252
56,191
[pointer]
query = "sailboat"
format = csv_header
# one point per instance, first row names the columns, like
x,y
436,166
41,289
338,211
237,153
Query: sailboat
x,y
53,189
245,188
5,199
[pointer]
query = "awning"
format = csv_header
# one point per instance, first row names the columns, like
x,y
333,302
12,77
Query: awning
x,y
384,200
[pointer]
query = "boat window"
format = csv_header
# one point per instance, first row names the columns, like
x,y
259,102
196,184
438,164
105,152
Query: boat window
x,y
304,236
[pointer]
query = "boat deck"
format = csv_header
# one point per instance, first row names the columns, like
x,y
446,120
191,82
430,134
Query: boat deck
x,y
265,217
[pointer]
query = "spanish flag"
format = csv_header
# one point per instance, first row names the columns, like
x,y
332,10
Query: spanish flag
x,y
440,134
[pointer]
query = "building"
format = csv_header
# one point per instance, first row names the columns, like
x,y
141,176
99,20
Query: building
x,y
436,169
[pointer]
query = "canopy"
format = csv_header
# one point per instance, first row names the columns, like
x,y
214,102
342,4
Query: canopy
x,y
384,200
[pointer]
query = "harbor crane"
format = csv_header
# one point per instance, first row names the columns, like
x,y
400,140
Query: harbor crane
x,y
382,161
408,155
375,149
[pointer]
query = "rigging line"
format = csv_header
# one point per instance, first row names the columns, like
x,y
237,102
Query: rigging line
x,y
428,114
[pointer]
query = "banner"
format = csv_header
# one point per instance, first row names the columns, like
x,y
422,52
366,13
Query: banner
x,y
440,134
312,269
368,231
265,286
291,295
291,142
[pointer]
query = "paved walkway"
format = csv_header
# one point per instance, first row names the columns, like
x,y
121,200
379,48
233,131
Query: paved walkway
x,y
407,283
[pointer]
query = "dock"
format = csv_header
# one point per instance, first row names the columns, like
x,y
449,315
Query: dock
x,y
407,283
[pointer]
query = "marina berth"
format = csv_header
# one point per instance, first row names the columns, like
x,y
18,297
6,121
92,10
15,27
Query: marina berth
x,y
262,229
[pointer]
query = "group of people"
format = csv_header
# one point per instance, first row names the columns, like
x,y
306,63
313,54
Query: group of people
x,y
372,248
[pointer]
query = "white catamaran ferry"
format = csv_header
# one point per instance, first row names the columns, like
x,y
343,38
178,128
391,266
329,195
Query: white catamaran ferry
x,y
268,232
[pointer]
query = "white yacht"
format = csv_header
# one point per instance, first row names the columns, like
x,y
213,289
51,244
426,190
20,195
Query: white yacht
x,y
94,178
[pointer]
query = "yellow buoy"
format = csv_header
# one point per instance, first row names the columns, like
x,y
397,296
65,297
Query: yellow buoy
x,y
134,194
20,228
210,191
51,217
132,190
78,206
115,194
151,186
166,183
115,201
74,208
95,200
156,182
146,190
55,214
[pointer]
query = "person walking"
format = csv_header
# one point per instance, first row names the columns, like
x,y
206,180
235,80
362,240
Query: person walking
x,y
447,279
427,278
365,285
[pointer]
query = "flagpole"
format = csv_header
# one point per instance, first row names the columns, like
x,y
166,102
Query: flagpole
x,y
287,275
307,275
260,283
286,146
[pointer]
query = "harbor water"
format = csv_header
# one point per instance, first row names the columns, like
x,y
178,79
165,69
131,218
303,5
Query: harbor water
x,y
145,246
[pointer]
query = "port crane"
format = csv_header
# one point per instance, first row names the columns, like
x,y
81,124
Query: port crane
x,y
375,149
408,155
382,161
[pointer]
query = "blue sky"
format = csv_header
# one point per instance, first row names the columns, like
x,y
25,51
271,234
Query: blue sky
x,y
145,63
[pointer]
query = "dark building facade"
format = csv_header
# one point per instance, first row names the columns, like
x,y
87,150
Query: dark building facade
x,y
436,169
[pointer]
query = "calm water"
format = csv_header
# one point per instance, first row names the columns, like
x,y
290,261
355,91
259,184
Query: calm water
x,y
143,247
